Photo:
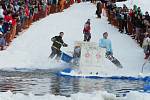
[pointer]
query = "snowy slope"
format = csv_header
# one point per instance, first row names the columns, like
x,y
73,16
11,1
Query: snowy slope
x,y
32,48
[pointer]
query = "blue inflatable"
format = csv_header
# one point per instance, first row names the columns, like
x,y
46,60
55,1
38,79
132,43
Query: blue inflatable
x,y
66,72
147,85
66,58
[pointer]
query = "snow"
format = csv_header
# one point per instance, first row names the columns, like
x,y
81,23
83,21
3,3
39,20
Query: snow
x,y
79,96
144,4
99,95
137,96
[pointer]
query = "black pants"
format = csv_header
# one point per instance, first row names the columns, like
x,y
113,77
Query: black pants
x,y
120,25
141,39
148,50
55,52
124,25
87,37
98,13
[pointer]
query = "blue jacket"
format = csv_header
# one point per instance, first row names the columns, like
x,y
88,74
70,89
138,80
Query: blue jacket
x,y
106,43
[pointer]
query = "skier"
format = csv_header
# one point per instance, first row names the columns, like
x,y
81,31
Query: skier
x,y
106,43
86,31
57,44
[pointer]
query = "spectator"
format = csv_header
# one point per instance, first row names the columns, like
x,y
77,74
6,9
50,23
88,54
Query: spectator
x,y
133,21
1,12
146,45
147,17
2,39
138,26
99,9
19,14
8,20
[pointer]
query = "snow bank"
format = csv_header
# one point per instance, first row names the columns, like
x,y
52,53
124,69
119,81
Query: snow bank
x,y
144,4
80,96
137,96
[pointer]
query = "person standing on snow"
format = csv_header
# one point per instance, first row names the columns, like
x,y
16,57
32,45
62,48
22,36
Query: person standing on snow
x,y
2,41
2,36
86,31
146,46
57,44
106,43
99,9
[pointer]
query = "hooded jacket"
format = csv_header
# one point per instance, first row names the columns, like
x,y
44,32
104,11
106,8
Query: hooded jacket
x,y
58,42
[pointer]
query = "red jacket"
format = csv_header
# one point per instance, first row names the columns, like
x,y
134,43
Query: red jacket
x,y
131,13
87,28
71,2
78,1
10,19
27,11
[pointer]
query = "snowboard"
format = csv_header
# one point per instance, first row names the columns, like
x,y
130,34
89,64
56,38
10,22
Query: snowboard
x,y
114,60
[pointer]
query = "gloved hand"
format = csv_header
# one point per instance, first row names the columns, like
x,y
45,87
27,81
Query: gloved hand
x,y
83,32
65,45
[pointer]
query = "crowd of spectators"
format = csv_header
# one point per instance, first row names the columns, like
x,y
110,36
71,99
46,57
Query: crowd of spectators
x,y
132,22
18,15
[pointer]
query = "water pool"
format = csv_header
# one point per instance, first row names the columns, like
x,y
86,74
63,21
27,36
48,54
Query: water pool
x,y
40,82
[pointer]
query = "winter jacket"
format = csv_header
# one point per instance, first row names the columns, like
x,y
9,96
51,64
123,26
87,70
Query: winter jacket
x,y
99,7
27,12
147,17
118,16
87,28
58,42
146,41
146,44
138,23
106,43
2,39
1,13
125,16
131,14
9,19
